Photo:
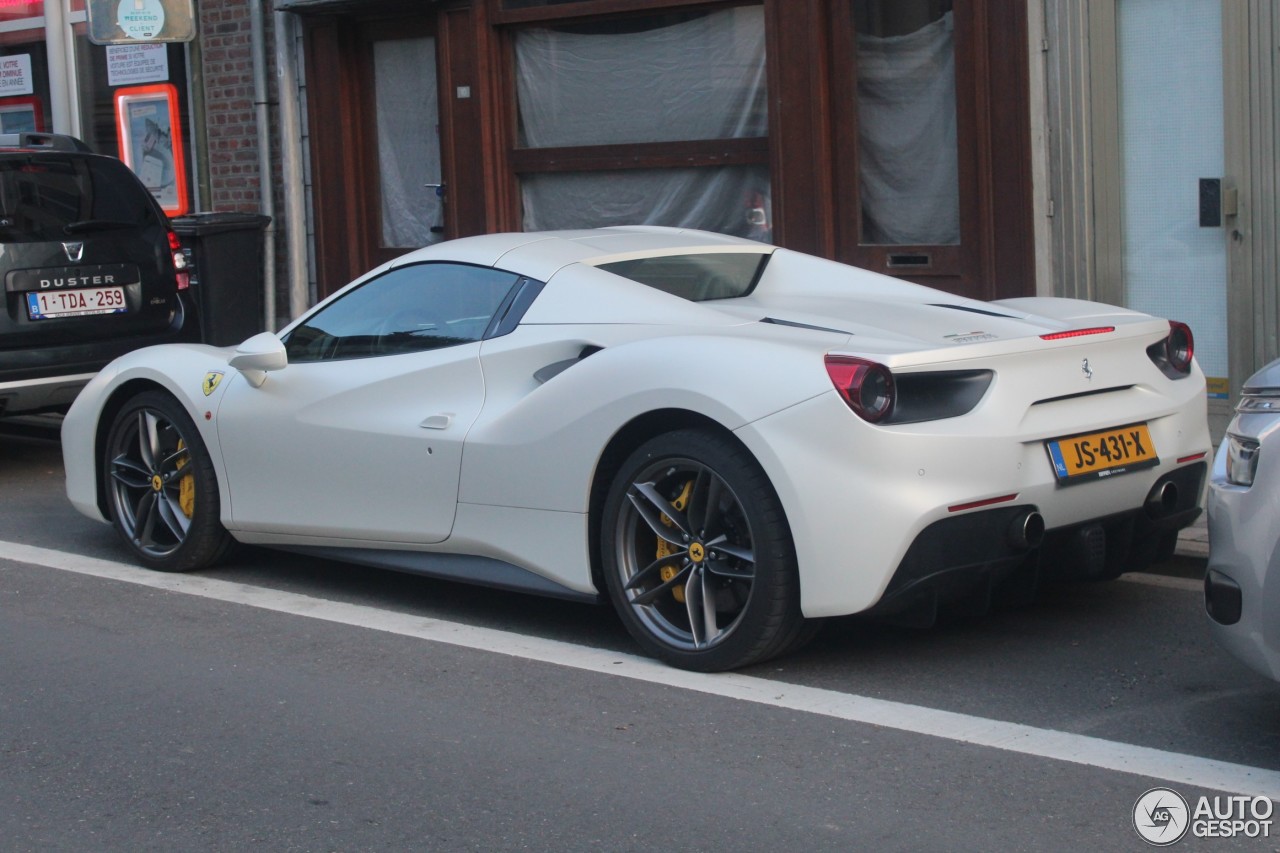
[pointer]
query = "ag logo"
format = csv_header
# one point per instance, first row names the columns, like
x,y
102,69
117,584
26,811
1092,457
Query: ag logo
x,y
211,380
1161,817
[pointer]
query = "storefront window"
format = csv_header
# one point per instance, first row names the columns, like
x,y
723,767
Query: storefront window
x,y
103,72
24,69
601,105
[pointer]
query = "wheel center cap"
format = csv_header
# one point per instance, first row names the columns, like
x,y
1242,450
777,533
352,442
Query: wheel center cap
x,y
156,483
697,552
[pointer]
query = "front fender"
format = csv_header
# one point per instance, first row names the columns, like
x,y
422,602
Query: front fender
x,y
195,375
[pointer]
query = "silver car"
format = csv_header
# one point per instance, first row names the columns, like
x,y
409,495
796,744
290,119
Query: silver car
x,y
1242,585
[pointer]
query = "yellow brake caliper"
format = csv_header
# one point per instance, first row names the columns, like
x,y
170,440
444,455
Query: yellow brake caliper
x,y
666,549
186,486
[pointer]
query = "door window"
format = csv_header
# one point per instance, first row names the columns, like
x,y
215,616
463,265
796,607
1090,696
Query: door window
x,y
409,309
408,120
909,178
907,111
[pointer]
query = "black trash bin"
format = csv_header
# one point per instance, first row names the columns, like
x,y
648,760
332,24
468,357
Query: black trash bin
x,y
224,255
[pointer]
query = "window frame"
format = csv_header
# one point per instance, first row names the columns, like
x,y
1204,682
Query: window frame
x,y
576,10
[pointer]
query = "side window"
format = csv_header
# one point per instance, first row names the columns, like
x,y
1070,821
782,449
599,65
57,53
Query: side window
x,y
409,309
698,278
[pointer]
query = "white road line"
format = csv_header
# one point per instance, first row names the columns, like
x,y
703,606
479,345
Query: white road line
x,y
962,728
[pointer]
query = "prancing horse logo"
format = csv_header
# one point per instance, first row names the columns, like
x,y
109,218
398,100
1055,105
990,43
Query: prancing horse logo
x,y
1086,369
211,380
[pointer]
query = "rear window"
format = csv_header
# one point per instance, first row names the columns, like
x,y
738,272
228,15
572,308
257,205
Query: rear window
x,y
47,197
697,278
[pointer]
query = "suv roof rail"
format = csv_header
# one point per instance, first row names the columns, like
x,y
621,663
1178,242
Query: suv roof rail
x,y
51,141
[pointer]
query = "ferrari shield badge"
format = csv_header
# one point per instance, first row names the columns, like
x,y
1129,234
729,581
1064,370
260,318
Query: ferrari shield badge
x,y
211,380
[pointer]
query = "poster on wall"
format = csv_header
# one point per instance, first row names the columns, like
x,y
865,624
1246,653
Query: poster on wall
x,y
151,142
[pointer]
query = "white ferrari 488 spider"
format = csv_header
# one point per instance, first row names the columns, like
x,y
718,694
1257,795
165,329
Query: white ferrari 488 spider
x,y
728,440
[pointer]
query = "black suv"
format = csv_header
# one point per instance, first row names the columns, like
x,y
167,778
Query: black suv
x,y
91,270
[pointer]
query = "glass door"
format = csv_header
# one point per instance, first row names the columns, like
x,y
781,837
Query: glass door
x,y
405,175
1171,130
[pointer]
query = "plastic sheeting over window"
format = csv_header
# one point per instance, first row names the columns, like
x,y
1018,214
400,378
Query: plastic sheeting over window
x,y
713,199
660,79
910,182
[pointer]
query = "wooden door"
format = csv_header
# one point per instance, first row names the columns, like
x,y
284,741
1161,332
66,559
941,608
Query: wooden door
x,y
930,183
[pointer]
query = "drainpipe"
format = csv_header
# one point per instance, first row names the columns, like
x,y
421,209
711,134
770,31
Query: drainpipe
x,y
258,45
291,160
199,127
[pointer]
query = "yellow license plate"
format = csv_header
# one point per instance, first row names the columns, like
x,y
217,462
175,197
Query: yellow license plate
x,y
1102,454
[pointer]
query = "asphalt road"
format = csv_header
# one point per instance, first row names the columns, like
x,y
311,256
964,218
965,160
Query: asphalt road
x,y
293,704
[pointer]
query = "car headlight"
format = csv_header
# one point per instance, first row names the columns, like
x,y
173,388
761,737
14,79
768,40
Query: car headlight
x,y
1259,402
1242,460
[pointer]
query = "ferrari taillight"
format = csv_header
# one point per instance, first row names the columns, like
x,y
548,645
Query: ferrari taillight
x,y
866,386
1175,352
179,262
1180,346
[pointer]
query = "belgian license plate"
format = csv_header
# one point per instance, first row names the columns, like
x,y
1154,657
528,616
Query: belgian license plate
x,y
1094,455
79,302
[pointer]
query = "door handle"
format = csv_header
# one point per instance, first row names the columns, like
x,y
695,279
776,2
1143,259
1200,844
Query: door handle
x,y
437,422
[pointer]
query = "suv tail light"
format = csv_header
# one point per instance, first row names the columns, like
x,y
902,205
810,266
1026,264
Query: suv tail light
x,y
179,262
866,386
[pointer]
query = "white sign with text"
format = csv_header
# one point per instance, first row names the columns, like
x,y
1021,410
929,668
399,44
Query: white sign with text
x,y
15,75
131,64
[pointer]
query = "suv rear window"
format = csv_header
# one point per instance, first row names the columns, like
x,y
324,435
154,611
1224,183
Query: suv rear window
x,y
46,197
698,278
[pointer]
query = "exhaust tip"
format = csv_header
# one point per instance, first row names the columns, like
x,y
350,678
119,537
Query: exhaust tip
x,y
1163,499
1027,530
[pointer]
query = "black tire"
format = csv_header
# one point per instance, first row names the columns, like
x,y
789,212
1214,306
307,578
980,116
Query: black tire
x,y
697,554
162,493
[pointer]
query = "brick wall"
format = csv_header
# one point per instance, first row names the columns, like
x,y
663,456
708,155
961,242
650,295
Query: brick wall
x,y
232,124
235,183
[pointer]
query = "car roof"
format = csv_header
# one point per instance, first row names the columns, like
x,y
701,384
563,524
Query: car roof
x,y
29,141
540,254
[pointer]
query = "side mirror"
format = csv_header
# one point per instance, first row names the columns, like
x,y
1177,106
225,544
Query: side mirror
x,y
258,356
